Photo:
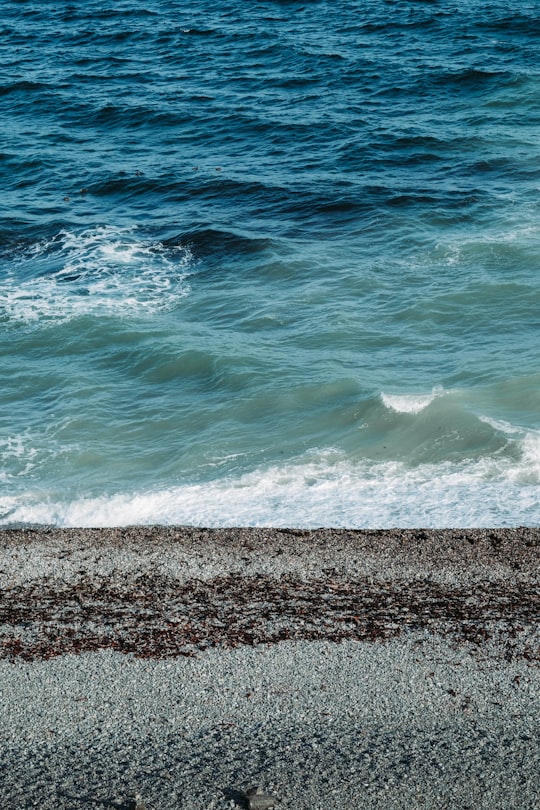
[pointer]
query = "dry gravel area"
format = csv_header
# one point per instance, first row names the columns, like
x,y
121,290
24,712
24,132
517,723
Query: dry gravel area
x,y
394,669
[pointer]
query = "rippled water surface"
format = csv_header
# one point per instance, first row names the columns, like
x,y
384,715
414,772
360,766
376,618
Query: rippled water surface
x,y
270,264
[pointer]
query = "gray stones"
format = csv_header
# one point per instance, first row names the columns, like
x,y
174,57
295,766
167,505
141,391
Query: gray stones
x,y
258,800
136,803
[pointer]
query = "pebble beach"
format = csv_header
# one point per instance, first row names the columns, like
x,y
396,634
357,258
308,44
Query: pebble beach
x,y
351,669
269,265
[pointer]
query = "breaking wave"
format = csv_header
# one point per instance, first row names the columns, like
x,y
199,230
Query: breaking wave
x,y
410,403
101,271
321,492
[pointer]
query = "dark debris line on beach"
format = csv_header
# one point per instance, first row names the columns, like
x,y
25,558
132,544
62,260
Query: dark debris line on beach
x,y
158,617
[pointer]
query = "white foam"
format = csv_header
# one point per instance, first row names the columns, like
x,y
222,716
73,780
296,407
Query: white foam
x,y
410,403
529,469
17,453
104,270
12,447
489,492
503,427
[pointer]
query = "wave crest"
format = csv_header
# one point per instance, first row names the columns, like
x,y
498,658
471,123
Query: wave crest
x,y
410,403
321,492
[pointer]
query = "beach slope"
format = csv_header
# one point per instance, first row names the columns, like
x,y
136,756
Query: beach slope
x,y
373,669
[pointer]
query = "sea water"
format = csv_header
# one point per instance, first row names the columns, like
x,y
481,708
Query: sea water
x,y
274,263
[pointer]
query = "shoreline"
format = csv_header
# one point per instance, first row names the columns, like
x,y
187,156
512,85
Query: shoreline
x,y
189,551
160,592
378,669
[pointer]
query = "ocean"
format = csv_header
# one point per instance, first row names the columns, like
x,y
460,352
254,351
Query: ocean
x,y
274,263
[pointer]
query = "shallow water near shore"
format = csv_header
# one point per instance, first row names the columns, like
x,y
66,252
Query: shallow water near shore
x,y
275,266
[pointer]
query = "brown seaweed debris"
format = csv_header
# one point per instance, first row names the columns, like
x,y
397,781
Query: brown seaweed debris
x,y
158,617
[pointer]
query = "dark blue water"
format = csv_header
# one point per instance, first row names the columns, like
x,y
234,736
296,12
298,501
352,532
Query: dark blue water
x,y
270,264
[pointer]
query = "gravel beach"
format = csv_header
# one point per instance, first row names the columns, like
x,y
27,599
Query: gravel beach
x,y
394,669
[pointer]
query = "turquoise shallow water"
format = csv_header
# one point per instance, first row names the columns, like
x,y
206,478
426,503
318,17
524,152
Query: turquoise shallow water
x,y
276,265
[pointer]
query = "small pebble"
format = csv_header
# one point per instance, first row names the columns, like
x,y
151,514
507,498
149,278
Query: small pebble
x,y
136,803
258,800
